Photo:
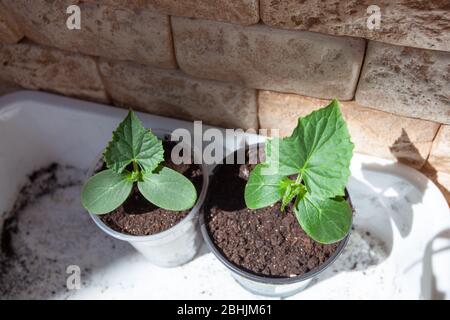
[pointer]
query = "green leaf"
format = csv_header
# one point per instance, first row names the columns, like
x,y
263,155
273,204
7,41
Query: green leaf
x,y
288,195
324,220
283,155
105,191
262,190
168,189
319,150
326,151
132,143
291,191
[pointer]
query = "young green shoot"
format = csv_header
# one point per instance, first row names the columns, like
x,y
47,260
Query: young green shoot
x,y
311,169
134,155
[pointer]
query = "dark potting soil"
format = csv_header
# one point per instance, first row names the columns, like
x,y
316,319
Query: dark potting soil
x,y
139,217
266,241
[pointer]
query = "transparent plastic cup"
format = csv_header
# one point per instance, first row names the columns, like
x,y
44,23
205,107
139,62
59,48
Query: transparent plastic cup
x,y
170,248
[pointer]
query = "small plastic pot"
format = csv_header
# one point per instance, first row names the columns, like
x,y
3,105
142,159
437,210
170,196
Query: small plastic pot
x,y
170,248
265,285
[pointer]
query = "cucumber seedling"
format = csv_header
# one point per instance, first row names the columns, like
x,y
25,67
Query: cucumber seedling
x,y
134,156
311,169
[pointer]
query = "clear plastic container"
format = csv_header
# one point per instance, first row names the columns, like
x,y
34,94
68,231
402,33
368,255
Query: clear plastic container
x,y
170,248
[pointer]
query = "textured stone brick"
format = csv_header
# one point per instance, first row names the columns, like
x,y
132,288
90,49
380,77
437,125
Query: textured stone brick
x,y
9,30
41,68
440,152
406,81
244,12
373,132
415,23
174,94
115,32
267,58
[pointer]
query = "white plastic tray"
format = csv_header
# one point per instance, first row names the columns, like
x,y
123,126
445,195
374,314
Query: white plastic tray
x,y
400,247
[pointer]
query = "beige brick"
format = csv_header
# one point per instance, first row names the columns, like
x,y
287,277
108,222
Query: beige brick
x,y
406,81
41,68
115,32
440,152
244,12
9,30
172,93
422,24
441,179
373,132
267,58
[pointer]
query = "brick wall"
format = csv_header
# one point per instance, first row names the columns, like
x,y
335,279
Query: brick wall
x,y
249,64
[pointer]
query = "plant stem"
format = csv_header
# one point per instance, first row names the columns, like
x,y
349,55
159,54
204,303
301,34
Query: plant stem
x,y
135,167
299,179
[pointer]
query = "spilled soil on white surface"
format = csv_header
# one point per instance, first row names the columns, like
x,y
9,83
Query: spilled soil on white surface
x,y
45,233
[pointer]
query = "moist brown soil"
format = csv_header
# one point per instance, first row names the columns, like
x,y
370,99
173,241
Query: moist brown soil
x,y
266,241
139,217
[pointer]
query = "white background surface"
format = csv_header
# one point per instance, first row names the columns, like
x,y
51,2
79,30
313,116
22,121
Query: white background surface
x,y
400,247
